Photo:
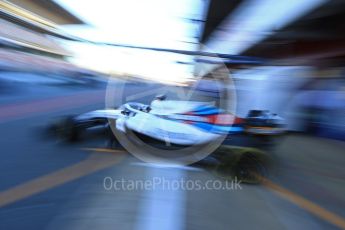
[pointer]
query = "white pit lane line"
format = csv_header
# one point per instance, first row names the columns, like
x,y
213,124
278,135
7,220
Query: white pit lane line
x,y
162,208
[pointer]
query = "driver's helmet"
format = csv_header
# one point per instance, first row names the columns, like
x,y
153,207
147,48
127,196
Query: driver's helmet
x,y
156,102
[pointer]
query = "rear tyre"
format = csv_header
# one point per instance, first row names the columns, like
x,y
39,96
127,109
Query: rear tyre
x,y
251,168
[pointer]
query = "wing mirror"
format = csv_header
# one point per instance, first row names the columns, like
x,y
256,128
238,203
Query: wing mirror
x,y
160,97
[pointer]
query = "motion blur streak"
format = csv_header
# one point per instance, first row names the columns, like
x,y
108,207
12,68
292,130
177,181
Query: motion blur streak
x,y
306,204
102,150
99,89
22,110
92,164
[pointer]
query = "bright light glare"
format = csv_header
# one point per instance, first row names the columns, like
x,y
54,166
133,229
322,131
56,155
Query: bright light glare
x,y
152,23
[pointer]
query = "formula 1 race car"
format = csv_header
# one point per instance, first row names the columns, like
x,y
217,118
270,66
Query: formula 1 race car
x,y
182,122
179,122
170,124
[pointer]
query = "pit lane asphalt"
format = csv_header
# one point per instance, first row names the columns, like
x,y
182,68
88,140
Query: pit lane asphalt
x,y
84,203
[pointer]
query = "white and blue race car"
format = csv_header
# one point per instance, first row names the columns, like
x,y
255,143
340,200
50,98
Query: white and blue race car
x,y
182,122
174,123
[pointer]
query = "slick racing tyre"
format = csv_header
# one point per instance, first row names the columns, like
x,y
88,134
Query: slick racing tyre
x,y
66,129
246,164
251,167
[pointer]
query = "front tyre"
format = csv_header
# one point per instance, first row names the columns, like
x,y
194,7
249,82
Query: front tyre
x,y
67,129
